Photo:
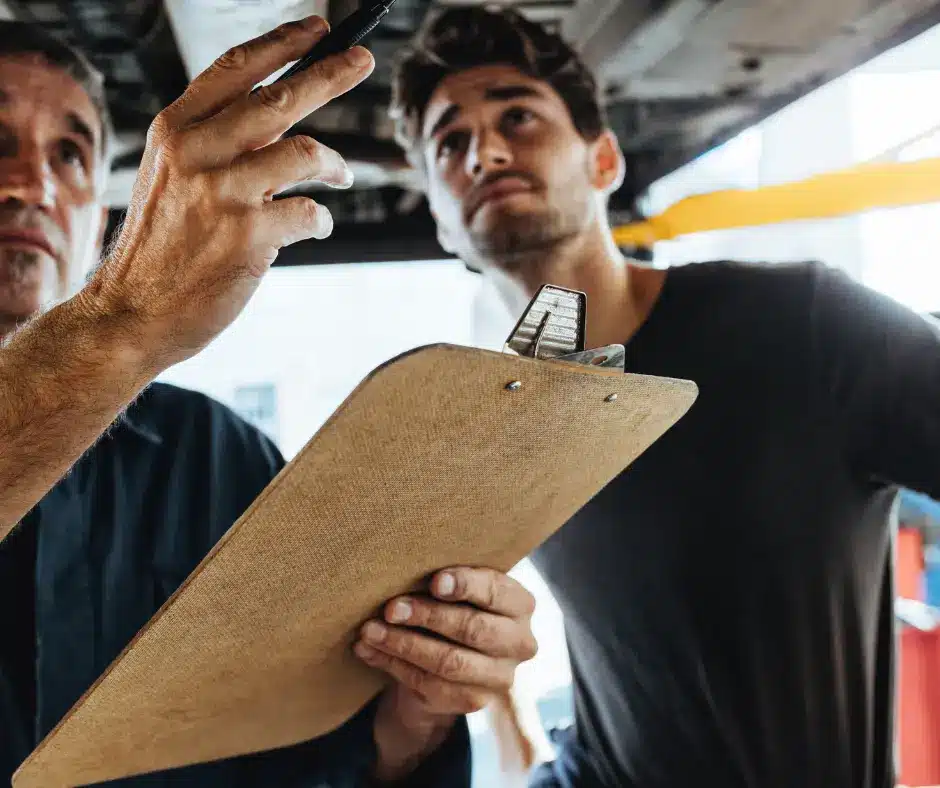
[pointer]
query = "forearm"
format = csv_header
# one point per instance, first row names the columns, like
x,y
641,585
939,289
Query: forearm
x,y
63,380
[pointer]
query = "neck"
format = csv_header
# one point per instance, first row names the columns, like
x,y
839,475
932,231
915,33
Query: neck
x,y
620,294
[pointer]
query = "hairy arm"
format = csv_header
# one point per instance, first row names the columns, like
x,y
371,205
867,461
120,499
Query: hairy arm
x,y
200,233
64,377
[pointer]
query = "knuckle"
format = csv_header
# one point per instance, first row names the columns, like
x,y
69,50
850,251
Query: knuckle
x,y
233,59
404,645
474,631
159,128
171,144
451,664
307,149
491,591
275,97
436,618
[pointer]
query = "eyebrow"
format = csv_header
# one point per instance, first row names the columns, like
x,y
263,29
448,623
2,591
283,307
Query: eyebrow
x,y
75,123
78,126
502,93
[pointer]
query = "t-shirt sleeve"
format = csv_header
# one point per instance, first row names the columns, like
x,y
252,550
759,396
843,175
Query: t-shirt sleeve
x,y
879,366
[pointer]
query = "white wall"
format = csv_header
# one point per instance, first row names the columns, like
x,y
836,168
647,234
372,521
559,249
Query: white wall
x,y
317,332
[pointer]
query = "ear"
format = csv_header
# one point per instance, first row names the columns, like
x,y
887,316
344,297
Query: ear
x,y
607,165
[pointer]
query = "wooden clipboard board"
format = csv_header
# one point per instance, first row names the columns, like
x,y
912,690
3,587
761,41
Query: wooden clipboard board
x,y
444,456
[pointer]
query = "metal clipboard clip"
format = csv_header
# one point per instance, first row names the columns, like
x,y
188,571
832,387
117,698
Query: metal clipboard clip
x,y
552,328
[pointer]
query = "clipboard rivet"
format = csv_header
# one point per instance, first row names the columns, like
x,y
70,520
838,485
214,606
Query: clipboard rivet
x,y
610,398
514,386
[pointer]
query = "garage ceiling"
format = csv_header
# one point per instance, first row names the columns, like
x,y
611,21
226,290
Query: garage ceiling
x,y
679,77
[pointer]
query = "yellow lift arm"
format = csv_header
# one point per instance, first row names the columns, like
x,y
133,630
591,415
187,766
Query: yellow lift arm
x,y
868,186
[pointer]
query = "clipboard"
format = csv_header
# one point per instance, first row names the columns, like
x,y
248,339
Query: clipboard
x,y
444,456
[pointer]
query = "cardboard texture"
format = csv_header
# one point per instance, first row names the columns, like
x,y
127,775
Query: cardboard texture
x,y
431,462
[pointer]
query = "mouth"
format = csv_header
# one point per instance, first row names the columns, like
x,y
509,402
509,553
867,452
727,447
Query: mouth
x,y
27,239
498,190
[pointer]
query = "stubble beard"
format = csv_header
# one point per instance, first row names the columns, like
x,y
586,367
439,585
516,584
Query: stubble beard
x,y
516,242
21,291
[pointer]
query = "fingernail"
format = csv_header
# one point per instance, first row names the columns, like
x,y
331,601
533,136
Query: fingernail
x,y
326,223
363,651
401,611
446,584
314,23
347,178
374,631
359,57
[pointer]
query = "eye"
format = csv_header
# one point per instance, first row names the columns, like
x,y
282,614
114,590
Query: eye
x,y
7,141
518,116
72,155
451,143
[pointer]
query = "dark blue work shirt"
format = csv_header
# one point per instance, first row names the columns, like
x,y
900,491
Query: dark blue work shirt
x,y
108,545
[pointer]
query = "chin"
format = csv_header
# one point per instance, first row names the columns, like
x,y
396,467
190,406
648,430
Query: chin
x,y
28,282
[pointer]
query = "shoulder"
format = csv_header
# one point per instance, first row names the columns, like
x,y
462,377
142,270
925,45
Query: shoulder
x,y
181,416
751,278
771,294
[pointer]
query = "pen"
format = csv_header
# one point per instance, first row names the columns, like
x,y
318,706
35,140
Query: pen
x,y
344,36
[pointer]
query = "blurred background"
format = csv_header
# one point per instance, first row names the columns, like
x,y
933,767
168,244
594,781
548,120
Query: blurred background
x,y
705,95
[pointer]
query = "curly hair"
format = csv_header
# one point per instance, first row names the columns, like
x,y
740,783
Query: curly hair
x,y
25,38
463,37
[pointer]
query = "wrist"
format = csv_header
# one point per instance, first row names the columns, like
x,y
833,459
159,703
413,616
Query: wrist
x,y
91,357
114,335
401,746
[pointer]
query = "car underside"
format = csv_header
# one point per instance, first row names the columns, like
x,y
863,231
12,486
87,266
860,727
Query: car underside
x,y
678,78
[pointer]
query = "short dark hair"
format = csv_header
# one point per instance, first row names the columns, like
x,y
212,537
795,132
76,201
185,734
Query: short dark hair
x,y
463,37
25,38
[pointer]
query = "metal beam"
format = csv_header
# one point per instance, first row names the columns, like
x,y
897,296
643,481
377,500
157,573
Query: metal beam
x,y
630,36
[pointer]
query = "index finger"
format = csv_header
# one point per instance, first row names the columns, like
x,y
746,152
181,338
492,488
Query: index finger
x,y
238,70
258,119
486,589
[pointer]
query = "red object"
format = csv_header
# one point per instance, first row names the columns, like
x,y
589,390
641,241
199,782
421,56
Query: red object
x,y
909,572
919,707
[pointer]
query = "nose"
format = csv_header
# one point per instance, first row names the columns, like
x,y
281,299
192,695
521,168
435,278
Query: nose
x,y
26,177
488,152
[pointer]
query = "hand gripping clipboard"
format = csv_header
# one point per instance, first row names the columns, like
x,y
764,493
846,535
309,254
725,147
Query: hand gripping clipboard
x,y
444,456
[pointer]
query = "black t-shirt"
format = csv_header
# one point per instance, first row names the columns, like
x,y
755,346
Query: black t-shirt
x,y
728,598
